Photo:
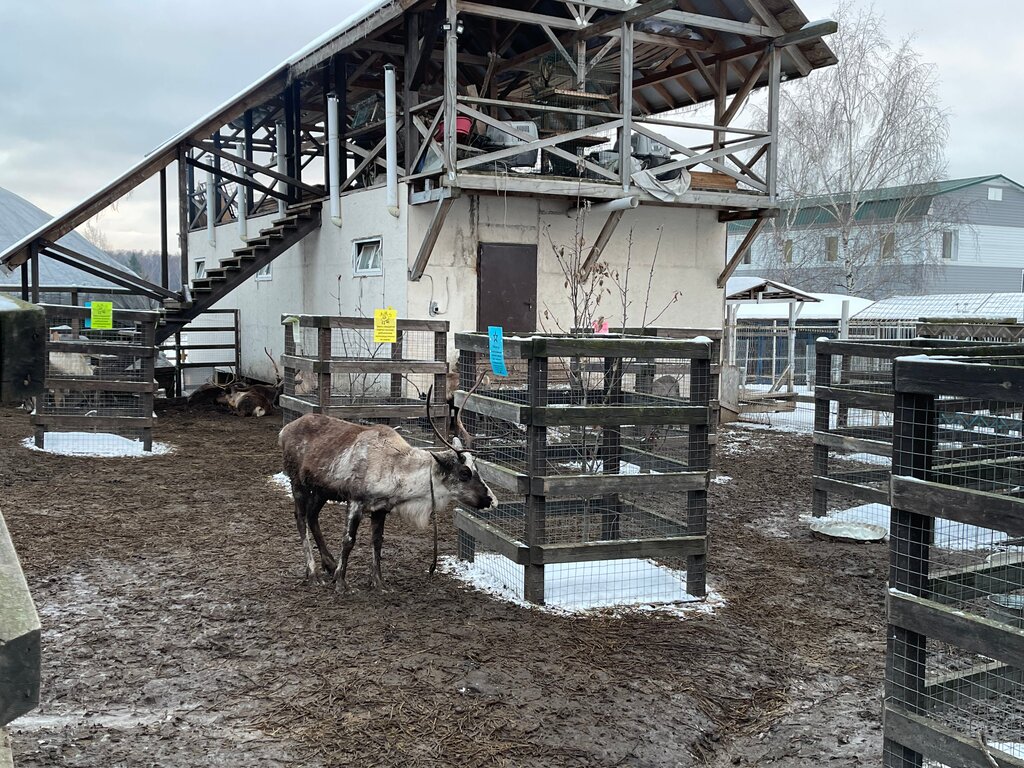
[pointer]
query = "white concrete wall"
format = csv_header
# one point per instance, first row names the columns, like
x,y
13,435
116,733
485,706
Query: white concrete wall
x,y
316,277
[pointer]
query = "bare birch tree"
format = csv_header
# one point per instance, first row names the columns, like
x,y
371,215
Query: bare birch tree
x,y
872,121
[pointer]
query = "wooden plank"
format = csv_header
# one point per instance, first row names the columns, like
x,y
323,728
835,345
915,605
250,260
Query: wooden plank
x,y
367,411
97,384
496,475
99,348
977,634
611,415
334,321
20,658
520,17
977,682
975,581
737,258
444,205
488,536
938,742
598,346
1000,383
592,485
493,407
383,366
854,490
676,546
980,508
857,398
852,444
61,310
89,422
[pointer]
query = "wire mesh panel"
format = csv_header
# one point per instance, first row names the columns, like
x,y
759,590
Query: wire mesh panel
x,y
955,660
99,382
599,446
853,424
333,366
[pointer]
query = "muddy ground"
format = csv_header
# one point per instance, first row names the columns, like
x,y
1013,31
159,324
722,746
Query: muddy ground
x,y
177,629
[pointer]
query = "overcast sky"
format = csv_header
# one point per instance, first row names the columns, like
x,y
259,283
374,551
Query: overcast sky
x,y
88,87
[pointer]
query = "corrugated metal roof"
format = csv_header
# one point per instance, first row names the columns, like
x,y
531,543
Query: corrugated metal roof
x,y
989,306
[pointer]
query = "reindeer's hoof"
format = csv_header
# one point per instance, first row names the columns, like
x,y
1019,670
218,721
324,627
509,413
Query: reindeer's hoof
x,y
330,565
313,578
341,587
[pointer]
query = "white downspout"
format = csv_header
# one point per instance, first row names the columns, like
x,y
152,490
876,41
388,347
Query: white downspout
x,y
334,159
391,137
619,204
282,162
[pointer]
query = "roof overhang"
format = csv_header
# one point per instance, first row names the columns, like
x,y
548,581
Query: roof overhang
x,y
759,290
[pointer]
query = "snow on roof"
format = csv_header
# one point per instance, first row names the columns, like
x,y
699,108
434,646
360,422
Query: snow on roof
x,y
827,306
988,306
760,290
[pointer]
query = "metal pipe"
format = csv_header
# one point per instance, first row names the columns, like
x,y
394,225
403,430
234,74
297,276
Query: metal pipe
x,y
281,145
391,138
620,204
334,159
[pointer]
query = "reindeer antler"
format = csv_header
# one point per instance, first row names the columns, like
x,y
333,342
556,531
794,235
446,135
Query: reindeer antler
x,y
277,371
463,434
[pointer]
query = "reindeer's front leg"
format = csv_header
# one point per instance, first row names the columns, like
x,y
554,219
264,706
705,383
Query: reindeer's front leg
x,y
355,515
377,519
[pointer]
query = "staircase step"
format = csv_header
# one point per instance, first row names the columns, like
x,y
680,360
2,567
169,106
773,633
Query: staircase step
x,y
221,272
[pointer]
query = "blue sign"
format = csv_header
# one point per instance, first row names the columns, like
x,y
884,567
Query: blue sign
x,y
496,345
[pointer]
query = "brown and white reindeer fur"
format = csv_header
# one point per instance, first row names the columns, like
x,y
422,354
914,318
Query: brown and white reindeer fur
x,y
376,472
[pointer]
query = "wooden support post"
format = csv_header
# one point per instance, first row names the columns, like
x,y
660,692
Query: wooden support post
x,y
290,149
910,536
179,374
34,262
341,91
536,466
24,279
323,348
184,209
451,77
218,203
774,80
410,95
147,366
698,459
610,451
396,376
165,258
626,104
745,245
430,237
602,241
247,200
235,319
440,379
822,407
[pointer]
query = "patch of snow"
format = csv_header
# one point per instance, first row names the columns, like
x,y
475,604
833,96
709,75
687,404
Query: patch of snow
x,y
596,467
721,479
95,444
280,480
629,583
863,458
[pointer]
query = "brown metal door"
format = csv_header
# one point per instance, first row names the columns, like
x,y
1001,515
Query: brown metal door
x,y
507,287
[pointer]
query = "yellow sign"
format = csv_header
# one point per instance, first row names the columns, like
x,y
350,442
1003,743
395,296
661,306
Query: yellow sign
x,y
385,326
102,316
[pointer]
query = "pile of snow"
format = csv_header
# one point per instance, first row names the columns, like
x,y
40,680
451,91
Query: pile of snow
x,y
94,444
949,534
863,458
280,480
721,479
596,467
580,587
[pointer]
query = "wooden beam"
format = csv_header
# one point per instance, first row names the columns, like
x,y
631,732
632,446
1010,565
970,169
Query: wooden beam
x,y
510,14
254,167
430,238
748,85
716,23
633,15
602,240
737,256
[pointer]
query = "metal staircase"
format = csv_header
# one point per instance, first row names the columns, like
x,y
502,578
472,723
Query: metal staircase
x,y
299,220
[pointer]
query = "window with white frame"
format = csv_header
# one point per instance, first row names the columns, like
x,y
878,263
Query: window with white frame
x,y
949,245
200,268
367,257
995,193
265,273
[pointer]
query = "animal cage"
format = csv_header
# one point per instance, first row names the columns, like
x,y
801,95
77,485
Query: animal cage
x,y
955,658
853,425
598,507
331,365
99,383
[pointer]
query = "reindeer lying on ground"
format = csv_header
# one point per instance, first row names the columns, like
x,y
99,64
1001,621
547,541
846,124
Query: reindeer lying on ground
x,y
376,471
243,399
